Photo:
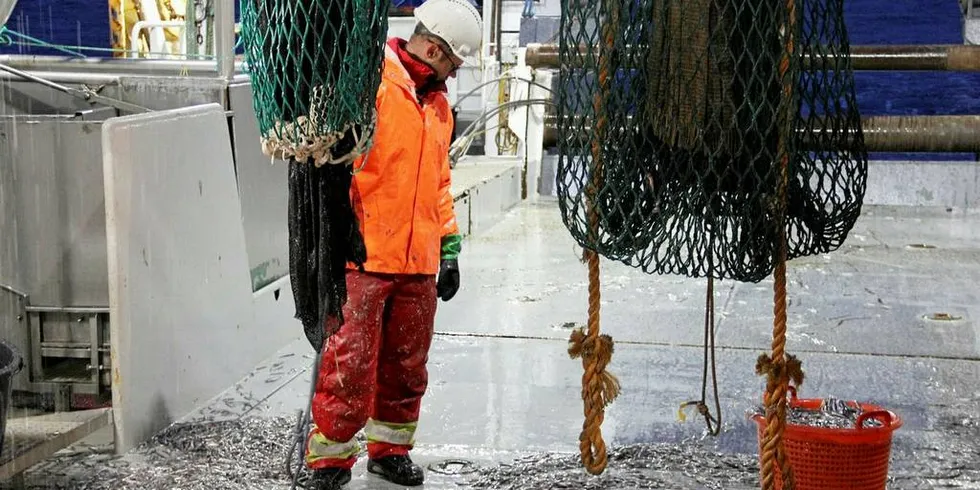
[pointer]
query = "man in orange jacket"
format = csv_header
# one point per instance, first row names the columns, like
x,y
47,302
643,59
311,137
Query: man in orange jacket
x,y
373,371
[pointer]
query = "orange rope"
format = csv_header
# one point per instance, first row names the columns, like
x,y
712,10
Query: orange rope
x,y
775,367
777,384
599,388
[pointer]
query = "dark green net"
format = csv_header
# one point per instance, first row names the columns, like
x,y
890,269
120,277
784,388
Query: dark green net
x,y
315,67
674,118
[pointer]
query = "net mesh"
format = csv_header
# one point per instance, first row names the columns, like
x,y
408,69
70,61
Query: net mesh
x,y
676,117
315,67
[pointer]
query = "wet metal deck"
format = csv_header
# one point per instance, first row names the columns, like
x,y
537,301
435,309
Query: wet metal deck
x,y
502,382
502,385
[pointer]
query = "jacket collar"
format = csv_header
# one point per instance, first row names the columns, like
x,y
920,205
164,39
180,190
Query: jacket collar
x,y
398,64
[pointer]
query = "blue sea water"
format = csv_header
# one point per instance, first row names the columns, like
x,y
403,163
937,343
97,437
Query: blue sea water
x,y
86,22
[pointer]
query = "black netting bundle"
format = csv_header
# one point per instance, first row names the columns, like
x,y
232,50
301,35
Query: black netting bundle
x,y
323,236
675,118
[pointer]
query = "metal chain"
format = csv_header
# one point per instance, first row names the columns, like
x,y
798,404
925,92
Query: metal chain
x,y
208,14
200,14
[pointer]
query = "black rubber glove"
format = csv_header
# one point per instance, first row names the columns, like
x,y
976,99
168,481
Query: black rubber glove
x,y
448,282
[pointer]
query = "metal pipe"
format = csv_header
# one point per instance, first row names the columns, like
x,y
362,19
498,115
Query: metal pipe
x,y
927,57
78,310
539,55
148,10
106,78
42,81
87,95
66,77
12,290
121,66
917,57
224,39
898,134
145,24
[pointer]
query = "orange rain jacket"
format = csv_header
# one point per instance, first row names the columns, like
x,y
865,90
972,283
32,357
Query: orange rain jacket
x,y
401,194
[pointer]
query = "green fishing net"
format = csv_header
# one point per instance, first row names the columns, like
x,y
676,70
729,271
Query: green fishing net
x,y
677,118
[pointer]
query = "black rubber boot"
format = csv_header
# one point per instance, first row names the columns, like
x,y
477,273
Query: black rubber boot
x,y
329,479
397,469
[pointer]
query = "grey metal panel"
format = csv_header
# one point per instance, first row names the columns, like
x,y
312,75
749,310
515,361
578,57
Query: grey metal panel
x,y
13,324
971,31
461,206
185,322
921,183
549,173
29,98
9,256
20,97
512,185
13,327
486,203
54,210
539,29
492,185
163,93
262,187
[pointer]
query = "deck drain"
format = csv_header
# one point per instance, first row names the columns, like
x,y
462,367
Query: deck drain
x,y
453,467
924,246
943,317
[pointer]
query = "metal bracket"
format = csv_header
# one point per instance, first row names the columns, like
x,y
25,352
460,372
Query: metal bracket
x,y
62,398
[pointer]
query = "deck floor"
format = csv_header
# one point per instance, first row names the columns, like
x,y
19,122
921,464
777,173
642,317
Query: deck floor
x,y
502,385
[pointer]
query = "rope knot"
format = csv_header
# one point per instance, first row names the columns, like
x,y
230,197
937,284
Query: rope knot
x,y
596,353
776,372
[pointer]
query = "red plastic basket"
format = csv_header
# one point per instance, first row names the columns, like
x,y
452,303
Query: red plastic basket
x,y
836,459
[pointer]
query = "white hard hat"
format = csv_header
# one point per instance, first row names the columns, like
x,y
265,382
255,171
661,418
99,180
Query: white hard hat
x,y
455,21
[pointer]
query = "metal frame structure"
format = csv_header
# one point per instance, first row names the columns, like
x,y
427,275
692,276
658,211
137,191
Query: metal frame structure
x,y
64,331
54,291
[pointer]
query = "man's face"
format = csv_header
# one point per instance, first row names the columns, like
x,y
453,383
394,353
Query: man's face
x,y
441,58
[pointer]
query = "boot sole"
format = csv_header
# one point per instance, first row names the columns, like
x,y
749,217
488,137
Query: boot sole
x,y
345,480
375,469
339,482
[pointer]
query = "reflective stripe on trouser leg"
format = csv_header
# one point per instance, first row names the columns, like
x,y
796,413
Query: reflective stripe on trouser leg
x,y
319,449
391,433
